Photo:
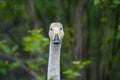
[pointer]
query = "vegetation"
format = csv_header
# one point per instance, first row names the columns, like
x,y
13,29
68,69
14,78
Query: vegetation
x,y
91,46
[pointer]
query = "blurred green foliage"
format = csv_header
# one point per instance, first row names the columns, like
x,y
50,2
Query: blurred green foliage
x,y
24,41
74,72
118,35
5,48
35,42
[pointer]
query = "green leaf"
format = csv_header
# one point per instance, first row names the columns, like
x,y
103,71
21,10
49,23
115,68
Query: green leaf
x,y
116,2
68,71
76,74
3,67
118,35
119,27
4,47
79,65
71,73
86,62
14,65
3,71
3,4
76,62
14,48
96,2
35,42
32,66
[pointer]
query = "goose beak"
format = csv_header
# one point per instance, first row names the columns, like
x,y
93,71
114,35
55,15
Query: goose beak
x,y
56,39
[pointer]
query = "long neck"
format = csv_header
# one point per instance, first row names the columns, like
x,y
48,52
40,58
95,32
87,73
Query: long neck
x,y
54,62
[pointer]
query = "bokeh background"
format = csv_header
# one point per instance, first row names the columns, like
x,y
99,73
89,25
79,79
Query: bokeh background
x,y
90,48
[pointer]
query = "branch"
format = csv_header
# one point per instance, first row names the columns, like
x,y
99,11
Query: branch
x,y
30,72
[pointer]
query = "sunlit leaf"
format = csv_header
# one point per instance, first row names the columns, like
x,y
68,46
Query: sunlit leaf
x,y
35,41
76,62
96,2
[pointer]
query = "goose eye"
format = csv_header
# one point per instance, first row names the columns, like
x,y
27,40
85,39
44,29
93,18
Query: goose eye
x,y
51,29
60,28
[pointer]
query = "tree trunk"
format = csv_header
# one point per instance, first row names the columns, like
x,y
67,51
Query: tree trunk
x,y
79,35
31,19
